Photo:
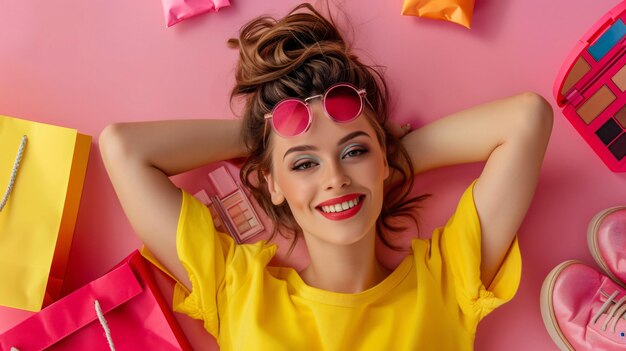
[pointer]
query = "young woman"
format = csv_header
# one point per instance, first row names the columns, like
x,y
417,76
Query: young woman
x,y
322,162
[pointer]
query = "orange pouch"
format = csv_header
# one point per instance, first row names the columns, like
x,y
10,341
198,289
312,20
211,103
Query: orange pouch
x,y
457,11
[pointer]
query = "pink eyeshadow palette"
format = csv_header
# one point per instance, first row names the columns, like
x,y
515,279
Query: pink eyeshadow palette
x,y
591,88
233,206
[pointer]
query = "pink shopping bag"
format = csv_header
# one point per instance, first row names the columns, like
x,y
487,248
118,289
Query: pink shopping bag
x,y
122,310
179,10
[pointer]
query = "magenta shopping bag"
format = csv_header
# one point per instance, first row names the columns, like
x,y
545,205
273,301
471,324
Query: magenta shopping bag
x,y
122,310
179,10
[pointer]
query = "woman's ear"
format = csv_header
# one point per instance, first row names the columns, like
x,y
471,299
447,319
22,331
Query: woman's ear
x,y
275,192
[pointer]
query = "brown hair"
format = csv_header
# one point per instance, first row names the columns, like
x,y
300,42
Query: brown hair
x,y
301,55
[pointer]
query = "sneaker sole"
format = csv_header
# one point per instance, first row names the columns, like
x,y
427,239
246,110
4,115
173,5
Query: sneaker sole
x,y
547,309
592,242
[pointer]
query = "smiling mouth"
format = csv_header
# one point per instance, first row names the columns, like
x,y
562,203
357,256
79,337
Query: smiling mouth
x,y
341,207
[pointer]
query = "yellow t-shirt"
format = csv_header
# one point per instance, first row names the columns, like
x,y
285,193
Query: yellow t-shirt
x,y
432,301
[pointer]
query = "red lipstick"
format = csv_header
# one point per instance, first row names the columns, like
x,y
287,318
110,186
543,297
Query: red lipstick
x,y
345,214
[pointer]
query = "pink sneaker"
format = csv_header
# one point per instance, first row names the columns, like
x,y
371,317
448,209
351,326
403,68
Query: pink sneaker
x,y
606,237
583,309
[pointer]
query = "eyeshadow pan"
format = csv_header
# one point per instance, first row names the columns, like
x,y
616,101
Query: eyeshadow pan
x,y
620,116
620,78
618,148
240,219
234,211
609,131
607,41
580,68
243,227
231,200
596,104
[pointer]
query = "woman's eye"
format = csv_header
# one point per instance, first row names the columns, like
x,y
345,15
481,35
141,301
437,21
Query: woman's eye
x,y
354,152
303,166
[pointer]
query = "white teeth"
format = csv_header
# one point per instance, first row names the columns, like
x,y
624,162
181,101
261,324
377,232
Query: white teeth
x,y
341,207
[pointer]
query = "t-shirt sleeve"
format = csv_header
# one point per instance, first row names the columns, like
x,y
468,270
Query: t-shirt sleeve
x,y
217,267
205,253
459,244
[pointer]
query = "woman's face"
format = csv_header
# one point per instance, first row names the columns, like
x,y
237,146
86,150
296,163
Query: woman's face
x,y
331,176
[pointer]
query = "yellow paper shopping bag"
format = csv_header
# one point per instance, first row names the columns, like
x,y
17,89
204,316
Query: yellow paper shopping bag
x,y
42,169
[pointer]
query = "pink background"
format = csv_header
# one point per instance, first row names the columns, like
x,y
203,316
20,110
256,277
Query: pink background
x,y
85,64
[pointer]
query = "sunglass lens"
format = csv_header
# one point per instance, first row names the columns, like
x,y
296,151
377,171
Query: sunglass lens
x,y
290,118
343,103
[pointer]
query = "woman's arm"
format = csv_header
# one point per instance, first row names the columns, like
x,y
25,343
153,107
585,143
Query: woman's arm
x,y
511,135
140,157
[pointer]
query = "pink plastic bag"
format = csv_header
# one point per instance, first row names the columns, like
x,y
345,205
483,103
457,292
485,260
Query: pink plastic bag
x,y
178,10
122,309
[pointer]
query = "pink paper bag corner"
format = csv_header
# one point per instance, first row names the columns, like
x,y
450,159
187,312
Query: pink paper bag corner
x,y
179,10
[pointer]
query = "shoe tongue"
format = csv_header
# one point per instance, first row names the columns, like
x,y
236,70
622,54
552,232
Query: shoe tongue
x,y
609,286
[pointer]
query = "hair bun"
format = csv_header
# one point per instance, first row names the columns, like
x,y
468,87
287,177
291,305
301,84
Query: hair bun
x,y
269,48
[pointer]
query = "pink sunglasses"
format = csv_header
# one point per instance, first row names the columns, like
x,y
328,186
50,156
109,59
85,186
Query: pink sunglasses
x,y
342,102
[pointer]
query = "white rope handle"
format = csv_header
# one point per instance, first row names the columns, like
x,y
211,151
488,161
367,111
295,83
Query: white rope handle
x,y
16,165
105,325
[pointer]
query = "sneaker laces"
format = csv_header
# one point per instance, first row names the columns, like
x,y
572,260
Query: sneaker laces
x,y
614,314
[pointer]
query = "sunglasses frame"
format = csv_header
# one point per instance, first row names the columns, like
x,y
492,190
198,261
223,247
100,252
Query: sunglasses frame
x,y
361,93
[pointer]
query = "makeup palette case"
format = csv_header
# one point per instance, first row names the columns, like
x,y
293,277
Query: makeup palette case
x,y
591,88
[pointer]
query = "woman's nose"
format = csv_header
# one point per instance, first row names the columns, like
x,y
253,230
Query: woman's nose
x,y
335,176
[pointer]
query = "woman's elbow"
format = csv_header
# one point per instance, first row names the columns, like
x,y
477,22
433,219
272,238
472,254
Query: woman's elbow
x,y
112,142
537,117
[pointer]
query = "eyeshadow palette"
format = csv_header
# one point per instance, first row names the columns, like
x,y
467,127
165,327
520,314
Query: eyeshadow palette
x,y
591,88
231,208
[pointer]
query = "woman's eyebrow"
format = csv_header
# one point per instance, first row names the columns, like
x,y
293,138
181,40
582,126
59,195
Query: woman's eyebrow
x,y
341,141
352,136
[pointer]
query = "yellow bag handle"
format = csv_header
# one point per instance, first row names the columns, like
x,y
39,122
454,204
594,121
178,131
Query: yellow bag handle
x,y
16,165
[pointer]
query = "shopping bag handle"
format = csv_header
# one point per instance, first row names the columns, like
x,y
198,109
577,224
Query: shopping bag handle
x,y
16,165
105,325
103,322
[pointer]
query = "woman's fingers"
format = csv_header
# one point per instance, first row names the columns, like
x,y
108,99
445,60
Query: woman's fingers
x,y
398,130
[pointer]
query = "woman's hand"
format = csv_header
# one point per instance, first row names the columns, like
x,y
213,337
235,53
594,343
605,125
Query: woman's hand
x,y
397,130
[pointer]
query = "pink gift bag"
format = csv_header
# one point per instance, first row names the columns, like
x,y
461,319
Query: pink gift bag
x,y
178,10
122,310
